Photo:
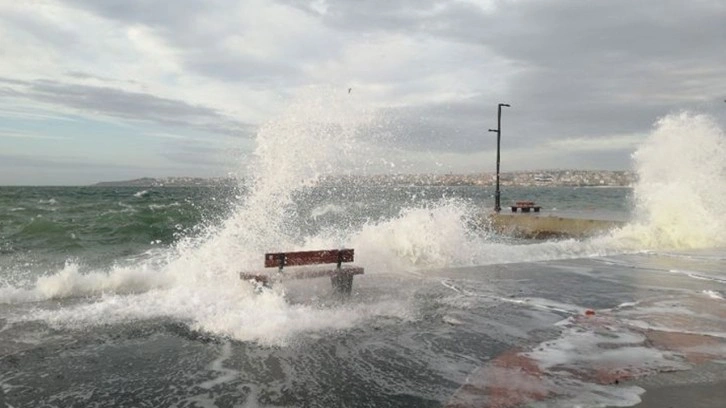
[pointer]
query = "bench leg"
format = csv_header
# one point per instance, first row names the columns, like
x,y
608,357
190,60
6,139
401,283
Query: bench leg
x,y
342,283
261,285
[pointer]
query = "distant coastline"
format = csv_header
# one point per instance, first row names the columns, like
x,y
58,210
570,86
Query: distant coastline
x,y
554,178
167,182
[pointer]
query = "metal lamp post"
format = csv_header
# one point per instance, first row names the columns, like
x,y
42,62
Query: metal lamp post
x,y
498,130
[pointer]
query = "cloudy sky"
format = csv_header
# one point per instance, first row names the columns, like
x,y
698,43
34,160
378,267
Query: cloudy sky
x,y
94,90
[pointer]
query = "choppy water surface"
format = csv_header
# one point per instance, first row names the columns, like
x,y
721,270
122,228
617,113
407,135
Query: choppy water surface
x,y
131,297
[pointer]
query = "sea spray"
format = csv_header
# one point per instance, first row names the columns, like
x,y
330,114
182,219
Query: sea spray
x,y
679,195
196,281
446,233
681,186
429,235
317,136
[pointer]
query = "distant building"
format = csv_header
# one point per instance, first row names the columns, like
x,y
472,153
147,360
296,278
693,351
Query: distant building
x,y
543,178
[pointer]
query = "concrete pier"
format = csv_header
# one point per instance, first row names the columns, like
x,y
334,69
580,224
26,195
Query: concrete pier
x,y
548,226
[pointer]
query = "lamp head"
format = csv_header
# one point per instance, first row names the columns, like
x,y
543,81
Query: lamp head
x,y
504,104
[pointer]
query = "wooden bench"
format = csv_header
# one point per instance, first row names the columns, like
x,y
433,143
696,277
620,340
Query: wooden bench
x,y
341,276
525,206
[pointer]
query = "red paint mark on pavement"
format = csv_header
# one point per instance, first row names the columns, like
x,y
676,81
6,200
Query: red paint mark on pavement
x,y
508,381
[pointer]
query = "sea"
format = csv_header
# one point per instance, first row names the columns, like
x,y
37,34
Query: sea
x,y
131,296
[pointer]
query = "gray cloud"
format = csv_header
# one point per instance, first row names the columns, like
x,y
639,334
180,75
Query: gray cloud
x,y
7,91
185,26
174,16
85,75
43,170
64,163
198,154
610,67
221,65
438,127
570,69
579,69
383,15
37,28
118,103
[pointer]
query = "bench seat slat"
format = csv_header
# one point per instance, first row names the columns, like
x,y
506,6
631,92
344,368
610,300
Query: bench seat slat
x,y
308,257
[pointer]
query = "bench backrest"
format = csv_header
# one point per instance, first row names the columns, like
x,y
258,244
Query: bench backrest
x,y
281,259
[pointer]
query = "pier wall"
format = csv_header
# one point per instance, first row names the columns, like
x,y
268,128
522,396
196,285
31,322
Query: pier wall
x,y
544,227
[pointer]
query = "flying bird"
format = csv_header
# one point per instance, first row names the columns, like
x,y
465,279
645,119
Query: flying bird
x,y
350,89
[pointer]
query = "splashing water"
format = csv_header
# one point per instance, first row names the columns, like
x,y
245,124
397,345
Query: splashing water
x,y
682,186
681,167
314,138
198,281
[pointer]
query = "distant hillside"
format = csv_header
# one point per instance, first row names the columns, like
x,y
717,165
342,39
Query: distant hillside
x,y
167,182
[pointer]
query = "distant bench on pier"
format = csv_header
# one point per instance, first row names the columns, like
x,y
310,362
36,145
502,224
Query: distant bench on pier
x,y
525,206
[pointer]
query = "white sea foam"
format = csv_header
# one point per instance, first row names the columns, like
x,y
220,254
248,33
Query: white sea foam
x,y
713,294
607,347
698,276
595,347
157,207
231,310
681,187
322,210
681,167
70,282
197,281
226,374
